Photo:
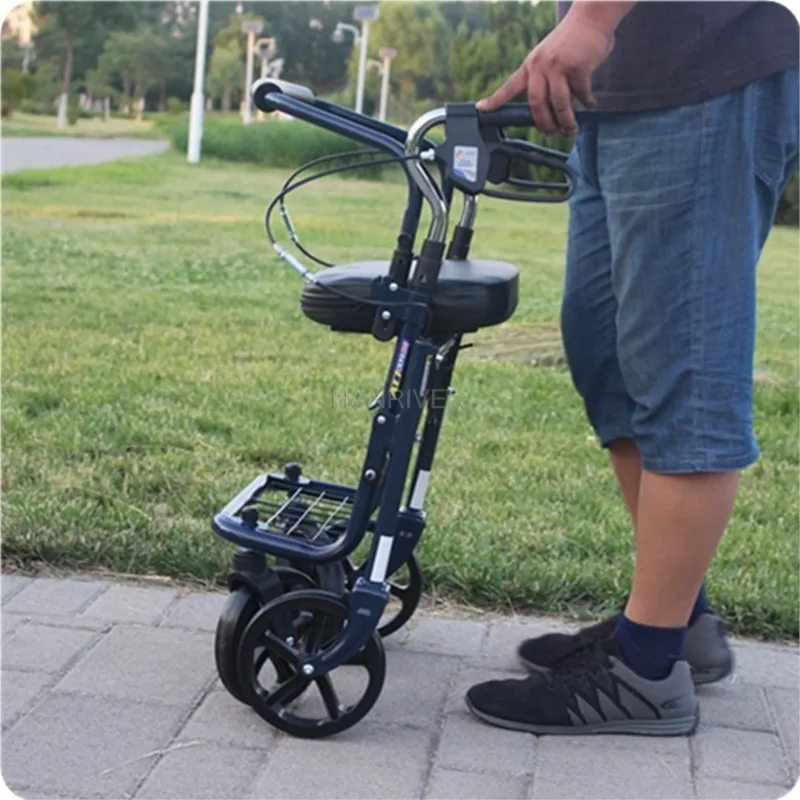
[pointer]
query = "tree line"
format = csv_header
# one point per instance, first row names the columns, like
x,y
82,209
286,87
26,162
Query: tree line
x,y
140,56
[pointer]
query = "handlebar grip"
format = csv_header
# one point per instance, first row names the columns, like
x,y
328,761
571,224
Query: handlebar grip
x,y
266,86
511,115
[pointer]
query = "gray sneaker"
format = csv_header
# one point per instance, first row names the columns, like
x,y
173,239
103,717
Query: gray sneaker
x,y
707,650
705,647
591,692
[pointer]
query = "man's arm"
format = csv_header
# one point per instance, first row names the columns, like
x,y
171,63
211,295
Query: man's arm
x,y
562,65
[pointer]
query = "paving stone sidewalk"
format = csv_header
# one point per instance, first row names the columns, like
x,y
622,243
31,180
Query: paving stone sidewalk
x,y
109,689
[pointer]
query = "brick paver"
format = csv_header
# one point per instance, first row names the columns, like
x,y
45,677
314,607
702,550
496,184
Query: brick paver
x,y
109,689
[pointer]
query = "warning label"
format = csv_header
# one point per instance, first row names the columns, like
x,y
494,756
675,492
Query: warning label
x,y
465,163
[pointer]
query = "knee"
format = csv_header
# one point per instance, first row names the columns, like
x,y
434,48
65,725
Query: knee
x,y
688,419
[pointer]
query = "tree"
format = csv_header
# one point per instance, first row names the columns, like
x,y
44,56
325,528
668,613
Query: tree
x,y
97,84
69,27
226,73
481,61
422,38
310,56
138,58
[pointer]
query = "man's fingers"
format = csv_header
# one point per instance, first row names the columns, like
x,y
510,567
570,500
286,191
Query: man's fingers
x,y
560,102
538,101
506,93
582,89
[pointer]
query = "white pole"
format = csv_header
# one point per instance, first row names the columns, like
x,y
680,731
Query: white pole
x,y
196,112
260,113
248,81
362,67
384,88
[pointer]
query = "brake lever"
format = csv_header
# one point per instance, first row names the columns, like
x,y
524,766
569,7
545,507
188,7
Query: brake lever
x,y
506,151
475,154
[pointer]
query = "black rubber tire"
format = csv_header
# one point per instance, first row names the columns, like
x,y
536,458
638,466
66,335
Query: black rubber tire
x,y
239,609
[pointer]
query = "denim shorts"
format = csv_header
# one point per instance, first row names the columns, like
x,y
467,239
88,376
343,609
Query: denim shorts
x,y
665,232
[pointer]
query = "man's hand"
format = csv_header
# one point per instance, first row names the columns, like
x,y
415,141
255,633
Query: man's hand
x,y
562,65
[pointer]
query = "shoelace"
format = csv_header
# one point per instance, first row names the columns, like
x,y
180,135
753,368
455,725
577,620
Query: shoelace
x,y
577,669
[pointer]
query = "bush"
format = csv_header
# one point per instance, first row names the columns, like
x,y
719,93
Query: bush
x,y
16,86
273,143
31,106
176,106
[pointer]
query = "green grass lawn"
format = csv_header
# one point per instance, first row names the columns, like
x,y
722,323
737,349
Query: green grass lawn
x,y
155,360
21,124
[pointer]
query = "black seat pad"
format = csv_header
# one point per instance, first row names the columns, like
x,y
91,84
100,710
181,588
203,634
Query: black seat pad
x,y
469,295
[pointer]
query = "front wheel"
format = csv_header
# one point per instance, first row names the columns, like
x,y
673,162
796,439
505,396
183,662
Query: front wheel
x,y
240,607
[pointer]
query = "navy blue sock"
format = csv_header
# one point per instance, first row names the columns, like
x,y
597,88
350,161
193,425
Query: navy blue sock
x,y
648,651
701,605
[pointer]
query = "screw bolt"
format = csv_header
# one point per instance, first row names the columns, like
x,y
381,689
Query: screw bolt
x,y
393,287
308,669
290,640
381,419
370,475
386,315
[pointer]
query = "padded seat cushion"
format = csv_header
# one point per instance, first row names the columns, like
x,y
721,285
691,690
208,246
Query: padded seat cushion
x,y
469,295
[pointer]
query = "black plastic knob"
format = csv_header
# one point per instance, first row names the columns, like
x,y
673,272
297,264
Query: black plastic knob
x,y
292,471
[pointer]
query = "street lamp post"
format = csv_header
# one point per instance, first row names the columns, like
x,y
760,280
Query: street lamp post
x,y
265,48
196,113
387,54
364,15
251,28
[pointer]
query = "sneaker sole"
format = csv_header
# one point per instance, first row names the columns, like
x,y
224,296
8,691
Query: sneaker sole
x,y
702,677
680,726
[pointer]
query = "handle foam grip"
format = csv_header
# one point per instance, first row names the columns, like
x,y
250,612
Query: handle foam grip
x,y
511,115
263,87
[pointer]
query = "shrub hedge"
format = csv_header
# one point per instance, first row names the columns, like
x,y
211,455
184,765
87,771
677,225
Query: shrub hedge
x,y
273,143
291,143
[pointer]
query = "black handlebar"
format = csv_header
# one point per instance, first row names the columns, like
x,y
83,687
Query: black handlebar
x,y
261,90
512,115
475,151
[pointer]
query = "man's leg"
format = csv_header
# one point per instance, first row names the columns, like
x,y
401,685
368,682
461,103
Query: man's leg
x,y
690,196
588,324
693,421
681,520
627,464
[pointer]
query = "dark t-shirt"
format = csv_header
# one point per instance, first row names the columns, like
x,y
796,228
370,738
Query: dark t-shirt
x,y
678,53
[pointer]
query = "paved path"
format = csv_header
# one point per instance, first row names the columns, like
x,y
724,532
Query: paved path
x,y
109,690
44,152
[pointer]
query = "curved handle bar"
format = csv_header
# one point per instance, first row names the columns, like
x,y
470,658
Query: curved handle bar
x,y
511,115
264,87
270,94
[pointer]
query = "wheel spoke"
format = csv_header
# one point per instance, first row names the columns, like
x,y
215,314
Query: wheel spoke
x,y
329,696
279,648
316,630
287,691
